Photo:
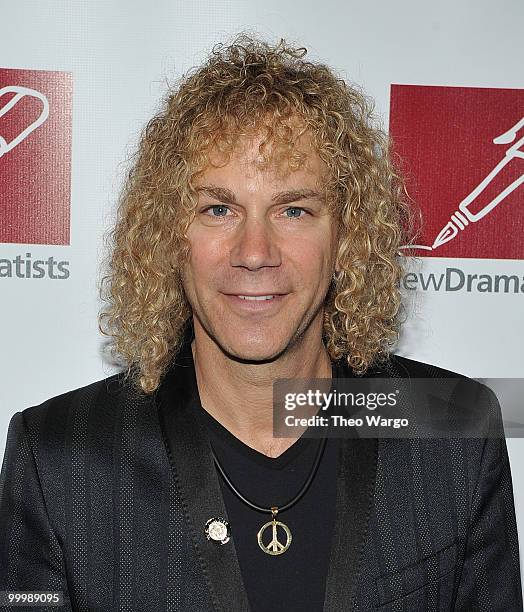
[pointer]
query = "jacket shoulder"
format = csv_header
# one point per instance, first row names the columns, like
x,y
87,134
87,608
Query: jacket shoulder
x,y
101,394
419,369
467,393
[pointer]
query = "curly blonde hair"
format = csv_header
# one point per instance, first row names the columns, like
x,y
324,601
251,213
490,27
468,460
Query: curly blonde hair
x,y
243,86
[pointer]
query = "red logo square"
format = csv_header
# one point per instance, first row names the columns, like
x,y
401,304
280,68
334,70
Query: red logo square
x,y
463,158
35,156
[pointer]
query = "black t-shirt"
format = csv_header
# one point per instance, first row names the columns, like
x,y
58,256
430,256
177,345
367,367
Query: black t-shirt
x,y
294,580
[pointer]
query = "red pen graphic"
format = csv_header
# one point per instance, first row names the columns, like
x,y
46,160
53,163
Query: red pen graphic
x,y
463,216
20,93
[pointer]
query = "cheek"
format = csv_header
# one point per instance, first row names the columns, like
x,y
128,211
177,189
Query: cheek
x,y
205,259
312,257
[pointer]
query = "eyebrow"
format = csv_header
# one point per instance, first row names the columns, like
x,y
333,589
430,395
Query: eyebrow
x,y
284,197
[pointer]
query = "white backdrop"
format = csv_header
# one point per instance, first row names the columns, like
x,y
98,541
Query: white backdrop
x,y
121,53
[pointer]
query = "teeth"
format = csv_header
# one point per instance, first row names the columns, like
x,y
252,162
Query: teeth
x,y
257,297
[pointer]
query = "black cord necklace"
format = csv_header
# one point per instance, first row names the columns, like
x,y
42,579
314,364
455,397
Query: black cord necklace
x,y
274,547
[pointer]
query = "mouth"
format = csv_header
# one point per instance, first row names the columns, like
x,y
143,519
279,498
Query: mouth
x,y
257,297
256,302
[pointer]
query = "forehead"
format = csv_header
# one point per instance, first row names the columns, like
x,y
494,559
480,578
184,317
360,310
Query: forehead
x,y
266,160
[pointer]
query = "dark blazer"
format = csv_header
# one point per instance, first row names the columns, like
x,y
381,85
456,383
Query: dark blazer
x,y
104,495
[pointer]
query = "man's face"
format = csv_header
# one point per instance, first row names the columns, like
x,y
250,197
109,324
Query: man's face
x,y
259,234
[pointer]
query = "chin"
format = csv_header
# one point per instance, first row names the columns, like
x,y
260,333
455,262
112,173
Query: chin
x,y
257,349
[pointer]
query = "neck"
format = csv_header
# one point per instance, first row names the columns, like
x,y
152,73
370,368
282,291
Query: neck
x,y
240,395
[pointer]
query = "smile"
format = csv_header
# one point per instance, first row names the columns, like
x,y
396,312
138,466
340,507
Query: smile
x,y
256,297
255,303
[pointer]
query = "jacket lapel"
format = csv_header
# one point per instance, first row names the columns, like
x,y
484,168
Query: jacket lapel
x,y
356,477
197,481
355,487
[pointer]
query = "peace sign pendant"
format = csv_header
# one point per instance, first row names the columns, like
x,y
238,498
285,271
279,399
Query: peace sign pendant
x,y
275,547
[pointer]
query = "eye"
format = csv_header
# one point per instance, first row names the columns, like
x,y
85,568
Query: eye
x,y
220,207
295,208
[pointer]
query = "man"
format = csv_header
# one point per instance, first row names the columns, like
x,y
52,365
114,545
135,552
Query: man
x,y
257,240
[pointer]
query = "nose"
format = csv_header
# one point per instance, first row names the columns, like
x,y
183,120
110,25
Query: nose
x,y
255,246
